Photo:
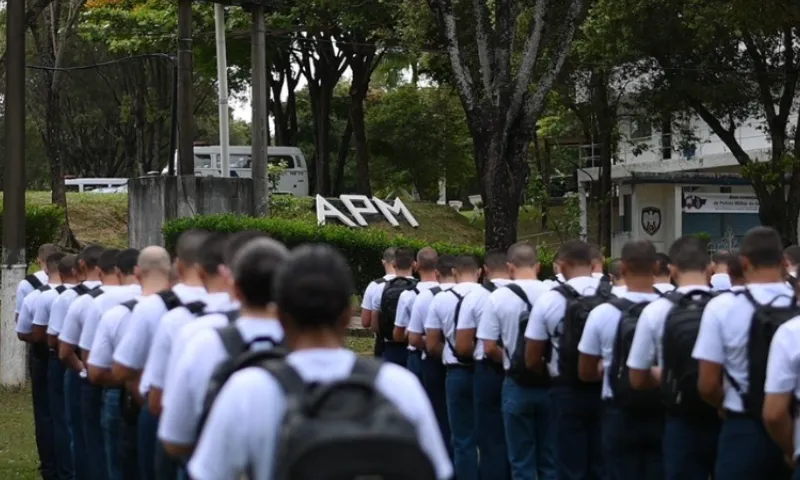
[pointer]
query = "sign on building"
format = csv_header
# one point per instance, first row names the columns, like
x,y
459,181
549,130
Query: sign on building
x,y
719,203
360,205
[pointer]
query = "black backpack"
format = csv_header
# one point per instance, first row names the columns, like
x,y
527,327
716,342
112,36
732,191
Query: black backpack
x,y
618,373
170,299
489,286
575,315
518,371
679,370
34,281
389,299
345,430
95,292
766,320
81,289
44,288
130,304
465,360
60,289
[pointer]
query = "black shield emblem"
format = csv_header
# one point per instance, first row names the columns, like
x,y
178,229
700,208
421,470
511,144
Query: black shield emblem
x,y
651,220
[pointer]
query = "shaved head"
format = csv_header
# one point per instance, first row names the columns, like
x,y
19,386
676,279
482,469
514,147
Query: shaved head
x,y
523,255
154,260
427,258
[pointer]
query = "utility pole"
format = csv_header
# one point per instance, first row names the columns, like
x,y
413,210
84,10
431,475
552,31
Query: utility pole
x,y
12,351
260,125
222,86
185,86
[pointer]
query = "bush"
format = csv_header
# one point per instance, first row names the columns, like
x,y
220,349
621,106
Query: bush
x,y
42,225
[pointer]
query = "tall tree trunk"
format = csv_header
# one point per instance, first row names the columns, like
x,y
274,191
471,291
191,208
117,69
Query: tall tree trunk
x,y
341,158
357,95
604,123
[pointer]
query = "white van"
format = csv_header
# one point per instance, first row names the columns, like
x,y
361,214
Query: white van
x,y
208,163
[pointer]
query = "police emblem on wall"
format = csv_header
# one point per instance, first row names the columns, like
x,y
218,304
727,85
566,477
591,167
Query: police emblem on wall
x,y
651,220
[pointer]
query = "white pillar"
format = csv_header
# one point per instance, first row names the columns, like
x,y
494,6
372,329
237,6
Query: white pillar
x,y
222,87
584,214
12,351
442,192
678,220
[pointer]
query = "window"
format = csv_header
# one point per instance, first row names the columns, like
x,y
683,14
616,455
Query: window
x,y
627,220
640,128
288,160
202,160
245,160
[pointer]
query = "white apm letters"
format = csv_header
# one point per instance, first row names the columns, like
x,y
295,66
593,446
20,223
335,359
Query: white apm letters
x,y
358,206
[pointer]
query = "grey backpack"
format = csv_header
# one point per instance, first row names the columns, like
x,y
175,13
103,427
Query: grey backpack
x,y
345,430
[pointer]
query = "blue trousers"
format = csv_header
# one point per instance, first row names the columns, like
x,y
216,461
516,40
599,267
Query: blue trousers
x,y
433,380
632,444
460,385
577,416
42,418
58,413
526,416
746,451
395,352
414,363
489,430
167,468
690,447
72,395
111,431
91,414
147,433
129,449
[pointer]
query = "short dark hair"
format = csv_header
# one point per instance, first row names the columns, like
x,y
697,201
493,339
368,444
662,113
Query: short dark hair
x,y
90,256
388,255
127,260
596,252
576,252
45,250
523,255
615,267
689,254
763,247
426,259
403,258
445,265
735,270
496,261
254,269
467,263
721,256
639,257
662,264
236,241
212,252
67,266
792,254
108,261
53,260
314,286
189,244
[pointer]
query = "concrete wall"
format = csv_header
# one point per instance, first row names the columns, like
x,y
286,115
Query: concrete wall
x,y
154,200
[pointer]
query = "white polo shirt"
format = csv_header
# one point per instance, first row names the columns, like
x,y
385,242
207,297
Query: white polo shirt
x,y
600,333
44,304
61,306
404,304
664,287
720,282
419,311
724,332
185,393
112,296
25,287
369,294
26,314
548,312
230,447
441,316
110,331
783,368
472,311
77,314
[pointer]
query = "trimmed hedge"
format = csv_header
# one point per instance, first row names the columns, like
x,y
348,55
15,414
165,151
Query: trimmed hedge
x,y
42,225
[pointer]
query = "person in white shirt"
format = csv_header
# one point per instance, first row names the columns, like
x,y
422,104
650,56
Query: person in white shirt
x,y
253,269
313,296
387,261
153,273
489,373
663,280
433,371
782,389
692,427
34,280
557,278
615,272
722,349
440,339
736,273
526,407
385,302
791,257
131,354
720,280
577,406
425,265
633,421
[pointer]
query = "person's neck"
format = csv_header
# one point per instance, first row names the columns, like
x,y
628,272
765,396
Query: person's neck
x,y
216,284
388,271
92,277
267,313
639,283
579,272
498,276
765,275
661,280
191,279
404,273
155,285
54,278
525,273
447,280
70,281
427,276
315,340
721,271
468,280
128,280
111,281
690,279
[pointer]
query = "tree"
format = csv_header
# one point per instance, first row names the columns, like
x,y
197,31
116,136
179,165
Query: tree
x,y
726,65
500,104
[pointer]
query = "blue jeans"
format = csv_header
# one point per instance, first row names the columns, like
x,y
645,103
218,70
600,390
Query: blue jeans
x,y
414,363
746,451
58,412
111,431
72,395
129,449
489,431
433,380
42,418
167,468
396,352
461,411
148,430
577,416
91,413
690,448
526,416
632,444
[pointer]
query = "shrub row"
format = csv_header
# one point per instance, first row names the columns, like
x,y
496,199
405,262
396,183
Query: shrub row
x,y
42,225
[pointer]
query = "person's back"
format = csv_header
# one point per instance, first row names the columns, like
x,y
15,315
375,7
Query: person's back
x,y
385,303
368,299
720,280
313,297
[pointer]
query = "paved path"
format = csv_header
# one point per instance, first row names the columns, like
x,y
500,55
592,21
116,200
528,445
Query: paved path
x,y
356,330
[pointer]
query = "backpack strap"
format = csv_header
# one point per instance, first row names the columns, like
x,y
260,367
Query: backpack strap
x,y
196,308
380,281
290,381
171,300
604,288
95,292
81,289
34,281
436,291
232,340
365,369
489,286
44,288
518,291
130,304
231,315
622,304
60,289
